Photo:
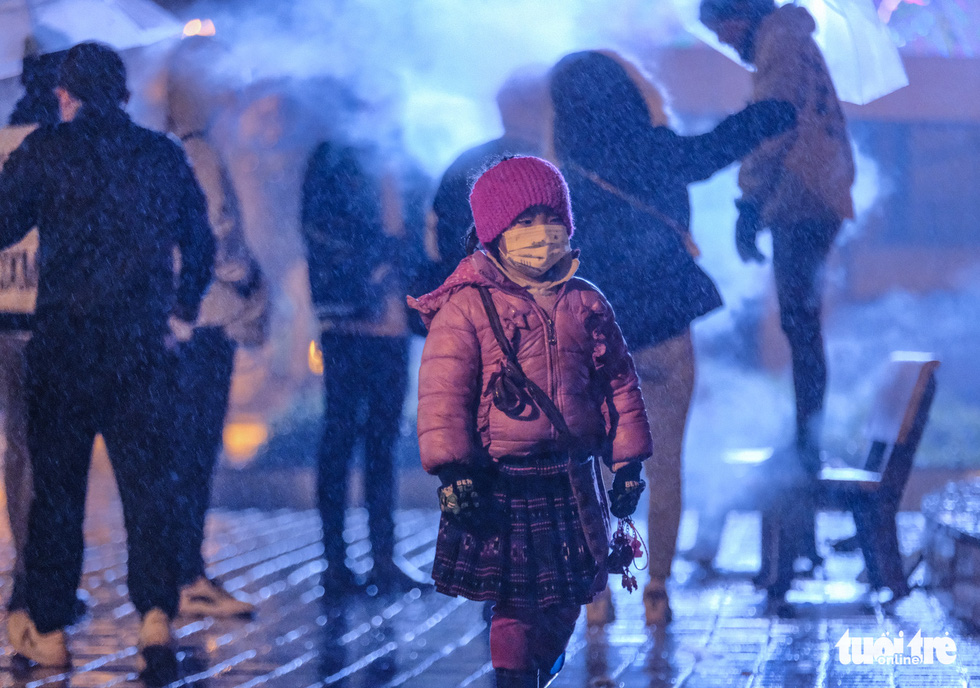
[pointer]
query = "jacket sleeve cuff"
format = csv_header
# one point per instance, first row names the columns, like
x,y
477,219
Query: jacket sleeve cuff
x,y
629,470
451,473
619,464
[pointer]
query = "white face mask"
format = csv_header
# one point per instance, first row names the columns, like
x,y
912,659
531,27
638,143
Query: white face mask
x,y
534,250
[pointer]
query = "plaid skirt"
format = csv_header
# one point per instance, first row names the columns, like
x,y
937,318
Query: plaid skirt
x,y
533,555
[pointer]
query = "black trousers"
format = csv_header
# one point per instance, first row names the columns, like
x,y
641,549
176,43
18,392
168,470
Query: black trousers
x,y
102,378
787,522
364,388
799,255
203,372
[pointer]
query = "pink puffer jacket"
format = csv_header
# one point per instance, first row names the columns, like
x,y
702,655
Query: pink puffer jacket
x,y
576,354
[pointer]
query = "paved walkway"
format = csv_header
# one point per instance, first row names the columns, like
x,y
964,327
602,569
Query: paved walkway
x,y
300,640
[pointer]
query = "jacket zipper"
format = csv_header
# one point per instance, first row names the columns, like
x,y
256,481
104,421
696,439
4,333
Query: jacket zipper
x,y
551,343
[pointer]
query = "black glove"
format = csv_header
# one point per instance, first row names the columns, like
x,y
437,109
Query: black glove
x,y
771,117
461,497
626,490
746,229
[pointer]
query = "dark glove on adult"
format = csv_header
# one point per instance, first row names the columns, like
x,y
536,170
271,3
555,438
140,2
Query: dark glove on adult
x,y
460,497
626,490
746,229
770,117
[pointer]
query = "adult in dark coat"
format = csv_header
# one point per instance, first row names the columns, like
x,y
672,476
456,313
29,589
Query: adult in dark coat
x,y
798,186
362,227
628,173
523,104
111,202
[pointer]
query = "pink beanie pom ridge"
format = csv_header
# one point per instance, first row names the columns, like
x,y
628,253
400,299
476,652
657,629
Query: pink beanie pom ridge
x,y
512,186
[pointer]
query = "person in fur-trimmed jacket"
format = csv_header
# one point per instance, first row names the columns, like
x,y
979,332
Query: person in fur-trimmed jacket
x,y
798,186
519,527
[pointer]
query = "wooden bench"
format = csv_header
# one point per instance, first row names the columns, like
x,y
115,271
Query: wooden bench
x,y
871,492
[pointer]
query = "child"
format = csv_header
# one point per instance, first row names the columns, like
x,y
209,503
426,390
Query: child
x,y
523,522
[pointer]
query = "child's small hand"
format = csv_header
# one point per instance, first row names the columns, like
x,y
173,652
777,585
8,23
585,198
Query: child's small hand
x,y
460,498
626,490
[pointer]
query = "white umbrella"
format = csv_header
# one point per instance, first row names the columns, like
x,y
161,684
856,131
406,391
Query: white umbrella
x,y
60,24
861,56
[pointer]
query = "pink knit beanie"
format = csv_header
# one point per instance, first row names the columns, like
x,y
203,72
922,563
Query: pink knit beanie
x,y
512,186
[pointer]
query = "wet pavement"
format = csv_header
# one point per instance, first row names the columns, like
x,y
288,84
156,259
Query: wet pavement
x,y
721,635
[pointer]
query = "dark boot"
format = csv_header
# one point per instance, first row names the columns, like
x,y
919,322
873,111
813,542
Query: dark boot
x,y
547,676
338,581
391,580
776,605
510,678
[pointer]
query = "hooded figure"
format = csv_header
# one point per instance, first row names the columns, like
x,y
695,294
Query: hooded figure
x,y
798,186
805,174
362,212
628,173
523,104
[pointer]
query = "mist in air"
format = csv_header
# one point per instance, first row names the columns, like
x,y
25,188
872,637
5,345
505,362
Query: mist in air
x,y
427,72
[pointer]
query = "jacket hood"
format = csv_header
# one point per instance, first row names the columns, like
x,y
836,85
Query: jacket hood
x,y
652,93
792,19
596,104
475,270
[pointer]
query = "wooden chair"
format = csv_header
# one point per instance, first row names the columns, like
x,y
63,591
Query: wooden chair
x,y
872,492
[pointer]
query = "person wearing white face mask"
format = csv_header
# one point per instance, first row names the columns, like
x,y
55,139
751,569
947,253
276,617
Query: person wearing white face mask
x,y
524,369
534,249
535,253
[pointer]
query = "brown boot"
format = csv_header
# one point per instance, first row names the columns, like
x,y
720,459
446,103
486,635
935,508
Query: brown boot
x,y
40,649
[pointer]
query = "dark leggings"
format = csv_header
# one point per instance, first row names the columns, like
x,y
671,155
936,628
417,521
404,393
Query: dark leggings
x,y
203,372
799,255
364,382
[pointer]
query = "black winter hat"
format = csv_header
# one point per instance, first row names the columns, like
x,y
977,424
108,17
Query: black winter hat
x,y
94,74
41,71
39,75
